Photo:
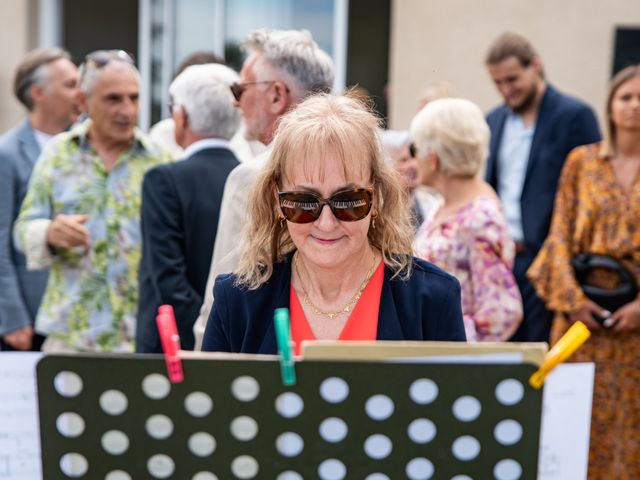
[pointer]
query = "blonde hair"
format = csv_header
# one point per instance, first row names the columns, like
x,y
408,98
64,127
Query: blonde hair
x,y
608,148
456,131
319,127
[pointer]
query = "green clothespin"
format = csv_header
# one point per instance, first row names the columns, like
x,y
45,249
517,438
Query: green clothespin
x,y
283,337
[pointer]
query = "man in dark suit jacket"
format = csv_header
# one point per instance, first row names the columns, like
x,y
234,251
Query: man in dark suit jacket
x,y
531,135
181,203
46,83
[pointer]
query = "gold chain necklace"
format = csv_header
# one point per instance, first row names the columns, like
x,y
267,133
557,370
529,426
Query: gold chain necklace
x,y
349,305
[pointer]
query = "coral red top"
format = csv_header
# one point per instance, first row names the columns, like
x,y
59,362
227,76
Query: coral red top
x,y
362,324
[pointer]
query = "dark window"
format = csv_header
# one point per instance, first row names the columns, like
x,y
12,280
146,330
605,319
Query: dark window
x,y
89,26
627,48
368,49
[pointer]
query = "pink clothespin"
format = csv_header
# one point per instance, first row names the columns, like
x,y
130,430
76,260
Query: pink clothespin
x,y
170,340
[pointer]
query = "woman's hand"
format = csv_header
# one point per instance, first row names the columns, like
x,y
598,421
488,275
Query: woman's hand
x,y
585,315
627,317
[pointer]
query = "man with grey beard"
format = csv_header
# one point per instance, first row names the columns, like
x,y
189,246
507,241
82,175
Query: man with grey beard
x,y
283,67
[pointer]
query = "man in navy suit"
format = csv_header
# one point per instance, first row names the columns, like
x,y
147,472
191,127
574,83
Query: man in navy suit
x,y
46,83
181,203
531,135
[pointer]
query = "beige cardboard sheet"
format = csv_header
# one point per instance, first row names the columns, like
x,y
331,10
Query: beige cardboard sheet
x,y
384,350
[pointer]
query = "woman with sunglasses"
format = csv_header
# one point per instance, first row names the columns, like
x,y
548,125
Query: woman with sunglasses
x,y
467,235
329,237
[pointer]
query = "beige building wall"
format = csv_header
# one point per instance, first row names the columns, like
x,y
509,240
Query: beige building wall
x,y
438,40
16,38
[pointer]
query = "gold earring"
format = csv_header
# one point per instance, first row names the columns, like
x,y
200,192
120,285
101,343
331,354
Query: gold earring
x,y
373,220
281,220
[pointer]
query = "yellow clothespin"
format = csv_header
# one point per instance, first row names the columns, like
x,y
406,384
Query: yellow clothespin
x,y
569,343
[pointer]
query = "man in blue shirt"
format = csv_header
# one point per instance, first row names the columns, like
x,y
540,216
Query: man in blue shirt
x,y
532,133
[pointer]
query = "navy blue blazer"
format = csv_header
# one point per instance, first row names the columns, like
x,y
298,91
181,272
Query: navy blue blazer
x,y
426,306
563,123
21,290
179,221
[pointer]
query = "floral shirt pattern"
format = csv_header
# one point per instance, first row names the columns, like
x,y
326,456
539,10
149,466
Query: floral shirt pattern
x,y
474,245
91,297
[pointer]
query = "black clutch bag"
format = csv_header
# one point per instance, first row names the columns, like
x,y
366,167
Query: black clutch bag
x,y
610,299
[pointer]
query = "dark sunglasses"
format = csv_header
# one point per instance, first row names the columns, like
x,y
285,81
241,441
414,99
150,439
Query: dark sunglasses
x,y
412,150
347,205
237,89
100,58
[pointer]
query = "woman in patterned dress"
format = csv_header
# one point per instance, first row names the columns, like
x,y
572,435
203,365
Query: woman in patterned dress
x,y
597,210
467,235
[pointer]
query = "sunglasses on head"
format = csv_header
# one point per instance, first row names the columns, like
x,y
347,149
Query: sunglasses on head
x,y
100,58
347,205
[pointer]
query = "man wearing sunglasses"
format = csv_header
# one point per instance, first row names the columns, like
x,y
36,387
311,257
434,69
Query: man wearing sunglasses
x,y
283,67
81,214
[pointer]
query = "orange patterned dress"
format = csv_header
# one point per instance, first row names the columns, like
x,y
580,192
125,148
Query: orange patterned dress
x,y
594,214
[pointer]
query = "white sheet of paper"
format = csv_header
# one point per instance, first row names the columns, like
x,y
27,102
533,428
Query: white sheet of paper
x,y
566,422
19,424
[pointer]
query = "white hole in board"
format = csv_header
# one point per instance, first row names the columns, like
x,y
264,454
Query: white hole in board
x,y
68,384
74,465
156,386
245,388
70,424
334,390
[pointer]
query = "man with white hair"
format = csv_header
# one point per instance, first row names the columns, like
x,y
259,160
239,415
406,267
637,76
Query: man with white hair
x,y
283,67
181,203
46,83
81,214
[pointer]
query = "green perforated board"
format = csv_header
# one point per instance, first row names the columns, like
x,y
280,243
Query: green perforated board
x,y
118,418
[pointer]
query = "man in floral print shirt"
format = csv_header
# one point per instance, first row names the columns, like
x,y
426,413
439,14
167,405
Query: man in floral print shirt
x,y
81,214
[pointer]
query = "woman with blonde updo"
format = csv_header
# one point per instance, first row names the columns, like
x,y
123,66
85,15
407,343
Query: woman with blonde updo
x,y
467,236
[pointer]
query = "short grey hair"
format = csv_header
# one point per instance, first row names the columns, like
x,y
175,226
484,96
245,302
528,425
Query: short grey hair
x,y
456,131
296,56
203,91
393,141
89,71
34,69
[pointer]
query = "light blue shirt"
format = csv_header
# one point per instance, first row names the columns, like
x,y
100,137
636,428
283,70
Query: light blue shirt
x,y
513,157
